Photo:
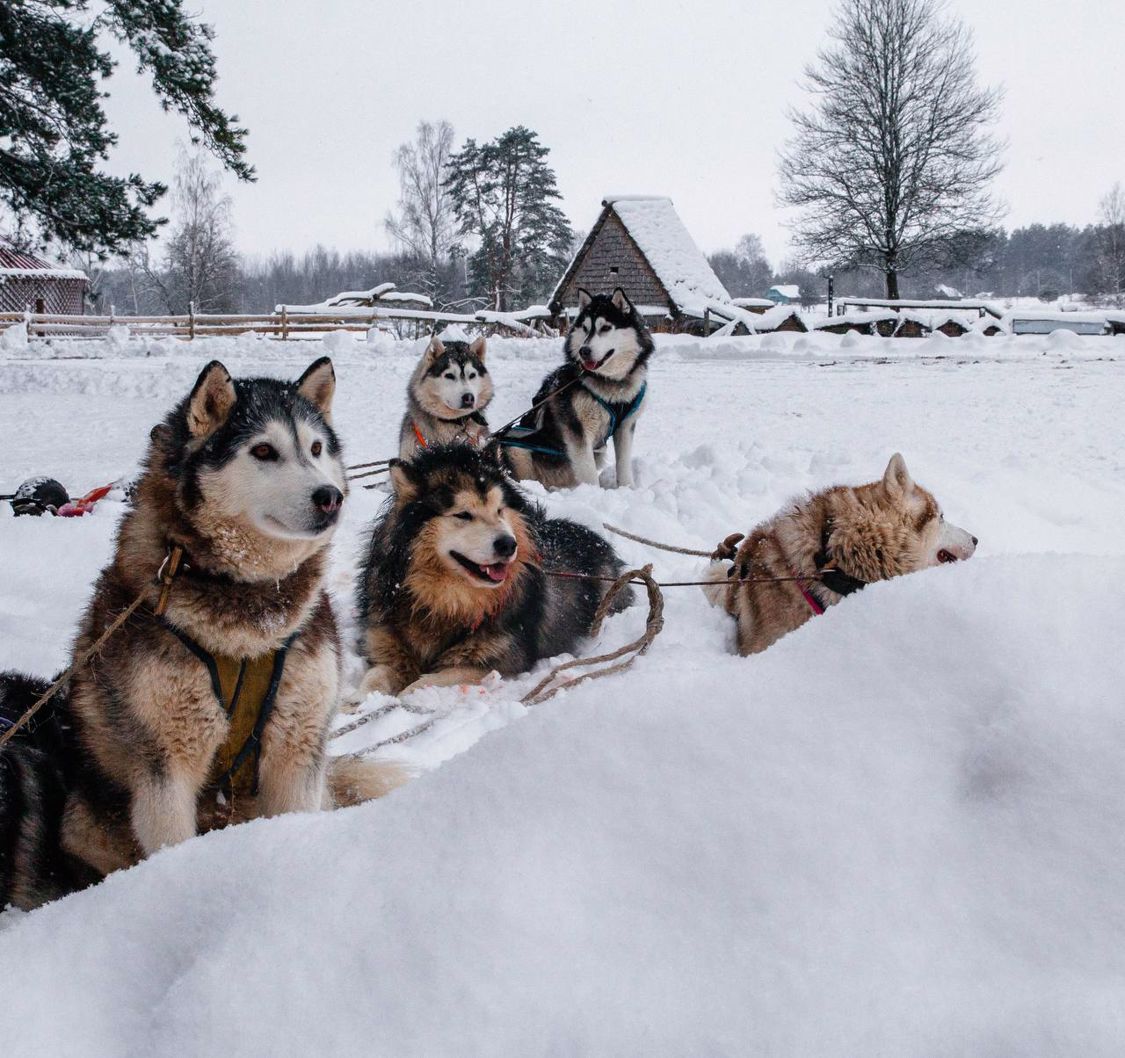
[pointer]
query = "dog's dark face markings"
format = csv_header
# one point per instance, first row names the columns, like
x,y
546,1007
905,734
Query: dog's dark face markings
x,y
456,376
258,453
608,337
454,502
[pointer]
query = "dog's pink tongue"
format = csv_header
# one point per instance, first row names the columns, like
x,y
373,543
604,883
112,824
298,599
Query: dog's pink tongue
x,y
497,572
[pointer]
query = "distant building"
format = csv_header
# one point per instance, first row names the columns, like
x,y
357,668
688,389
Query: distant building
x,y
640,244
28,283
785,294
384,296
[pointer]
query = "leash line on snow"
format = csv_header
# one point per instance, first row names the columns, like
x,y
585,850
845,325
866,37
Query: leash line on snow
x,y
165,575
553,682
654,543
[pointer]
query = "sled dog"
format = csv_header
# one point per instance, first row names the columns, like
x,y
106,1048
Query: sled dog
x,y
453,586
827,546
446,397
562,443
218,710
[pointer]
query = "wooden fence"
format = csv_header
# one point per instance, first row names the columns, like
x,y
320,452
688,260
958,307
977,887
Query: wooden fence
x,y
403,323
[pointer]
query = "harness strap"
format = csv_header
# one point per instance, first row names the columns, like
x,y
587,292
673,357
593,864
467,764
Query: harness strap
x,y
616,417
418,434
252,744
814,603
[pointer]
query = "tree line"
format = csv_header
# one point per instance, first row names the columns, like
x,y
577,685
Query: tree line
x,y
888,173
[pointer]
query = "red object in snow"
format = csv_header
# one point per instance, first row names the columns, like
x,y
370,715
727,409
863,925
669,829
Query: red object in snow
x,y
84,504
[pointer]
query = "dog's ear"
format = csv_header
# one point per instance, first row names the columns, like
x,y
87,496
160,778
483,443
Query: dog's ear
x,y
897,480
211,401
404,481
479,347
584,298
318,385
621,302
434,349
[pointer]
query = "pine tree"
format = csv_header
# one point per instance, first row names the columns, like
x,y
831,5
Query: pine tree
x,y
53,128
504,195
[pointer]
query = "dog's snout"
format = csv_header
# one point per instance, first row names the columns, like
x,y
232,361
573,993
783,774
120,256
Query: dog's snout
x,y
584,352
467,400
504,545
327,498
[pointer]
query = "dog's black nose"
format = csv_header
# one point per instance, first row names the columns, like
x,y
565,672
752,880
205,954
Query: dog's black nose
x,y
504,546
467,400
328,499
975,541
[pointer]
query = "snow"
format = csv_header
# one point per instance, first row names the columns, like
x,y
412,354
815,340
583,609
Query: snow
x,y
656,228
381,294
898,832
41,273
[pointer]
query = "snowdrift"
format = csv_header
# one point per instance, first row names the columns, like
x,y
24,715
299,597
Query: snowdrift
x,y
901,831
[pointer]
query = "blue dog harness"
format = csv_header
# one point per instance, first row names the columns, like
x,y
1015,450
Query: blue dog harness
x,y
618,413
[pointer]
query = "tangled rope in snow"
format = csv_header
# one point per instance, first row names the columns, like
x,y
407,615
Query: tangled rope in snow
x,y
554,681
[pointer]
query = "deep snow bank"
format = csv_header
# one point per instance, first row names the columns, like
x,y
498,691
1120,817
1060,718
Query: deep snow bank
x,y
900,832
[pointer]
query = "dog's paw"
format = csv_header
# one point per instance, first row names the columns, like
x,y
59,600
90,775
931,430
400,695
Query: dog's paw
x,y
379,679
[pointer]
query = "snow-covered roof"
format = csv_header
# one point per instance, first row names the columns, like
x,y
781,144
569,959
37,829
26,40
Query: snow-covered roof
x,y
656,228
788,290
774,318
16,264
861,319
752,303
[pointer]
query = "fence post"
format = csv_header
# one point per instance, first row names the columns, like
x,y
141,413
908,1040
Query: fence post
x,y
284,324
191,320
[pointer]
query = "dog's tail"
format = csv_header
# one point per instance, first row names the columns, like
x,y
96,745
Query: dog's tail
x,y
353,780
33,868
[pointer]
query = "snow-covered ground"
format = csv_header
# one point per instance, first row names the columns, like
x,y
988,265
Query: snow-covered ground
x,y
899,832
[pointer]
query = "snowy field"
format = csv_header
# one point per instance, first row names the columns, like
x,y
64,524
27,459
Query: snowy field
x,y
899,832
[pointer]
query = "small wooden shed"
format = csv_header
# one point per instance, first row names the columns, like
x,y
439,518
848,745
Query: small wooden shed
x,y
28,283
640,244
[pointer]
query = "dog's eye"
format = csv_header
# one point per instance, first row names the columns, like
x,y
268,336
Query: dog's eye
x,y
471,377
264,452
604,328
452,378
465,516
316,449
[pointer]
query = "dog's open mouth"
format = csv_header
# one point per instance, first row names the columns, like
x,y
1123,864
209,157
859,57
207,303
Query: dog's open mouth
x,y
592,365
495,573
946,556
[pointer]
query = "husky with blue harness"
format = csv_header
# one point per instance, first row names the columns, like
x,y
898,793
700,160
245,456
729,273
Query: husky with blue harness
x,y
597,394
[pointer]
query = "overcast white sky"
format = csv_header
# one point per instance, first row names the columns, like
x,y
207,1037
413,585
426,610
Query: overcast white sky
x,y
654,97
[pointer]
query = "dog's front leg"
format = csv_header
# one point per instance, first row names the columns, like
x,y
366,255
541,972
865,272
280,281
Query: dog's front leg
x,y
469,674
623,453
580,452
163,811
292,779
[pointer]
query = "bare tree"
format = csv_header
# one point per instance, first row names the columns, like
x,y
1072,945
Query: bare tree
x,y
891,163
1109,243
423,226
200,265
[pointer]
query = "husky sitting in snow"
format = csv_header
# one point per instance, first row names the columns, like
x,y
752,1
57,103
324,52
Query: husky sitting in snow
x,y
453,589
597,394
212,703
812,554
446,397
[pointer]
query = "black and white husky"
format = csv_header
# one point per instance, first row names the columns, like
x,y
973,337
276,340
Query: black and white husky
x,y
598,393
446,397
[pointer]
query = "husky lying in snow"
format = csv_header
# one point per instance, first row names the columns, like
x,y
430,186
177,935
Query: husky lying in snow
x,y
446,397
847,537
562,443
219,710
452,587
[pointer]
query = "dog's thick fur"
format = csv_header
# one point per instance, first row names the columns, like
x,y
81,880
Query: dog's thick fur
x,y
446,397
246,475
607,352
452,587
847,537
